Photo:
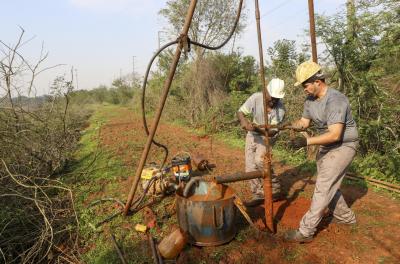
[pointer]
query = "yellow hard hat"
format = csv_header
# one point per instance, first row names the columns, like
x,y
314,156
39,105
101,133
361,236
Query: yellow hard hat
x,y
306,70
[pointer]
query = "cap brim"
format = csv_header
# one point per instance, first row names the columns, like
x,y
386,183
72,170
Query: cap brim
x,y
278,96
297,83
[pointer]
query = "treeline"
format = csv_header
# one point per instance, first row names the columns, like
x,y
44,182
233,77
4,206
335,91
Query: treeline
x,y
361,58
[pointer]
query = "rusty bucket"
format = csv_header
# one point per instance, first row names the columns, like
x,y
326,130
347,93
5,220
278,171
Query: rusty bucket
x,y
207,214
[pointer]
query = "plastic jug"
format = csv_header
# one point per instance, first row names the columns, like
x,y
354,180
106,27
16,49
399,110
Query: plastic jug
x,y
172,245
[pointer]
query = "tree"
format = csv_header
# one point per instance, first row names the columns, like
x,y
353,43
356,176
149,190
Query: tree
x,y
36,209
284,58
363,46
212,20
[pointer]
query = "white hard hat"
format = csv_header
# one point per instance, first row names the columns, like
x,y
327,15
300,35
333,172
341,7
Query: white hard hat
x,y
275,88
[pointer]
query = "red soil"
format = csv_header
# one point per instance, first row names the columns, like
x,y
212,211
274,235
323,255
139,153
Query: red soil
x,y
375,239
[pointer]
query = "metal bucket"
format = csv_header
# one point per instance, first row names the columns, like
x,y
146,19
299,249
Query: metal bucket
x,y
209,220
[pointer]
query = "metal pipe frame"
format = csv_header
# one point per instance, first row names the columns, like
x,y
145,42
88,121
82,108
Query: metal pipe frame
x,y
157,117
268,204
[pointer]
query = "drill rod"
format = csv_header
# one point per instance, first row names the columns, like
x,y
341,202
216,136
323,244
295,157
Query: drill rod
x,y
267,158
167,85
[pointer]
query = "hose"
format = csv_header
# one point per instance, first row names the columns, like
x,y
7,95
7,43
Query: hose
x,y
189,185
156,55
143,97
230,33
184,38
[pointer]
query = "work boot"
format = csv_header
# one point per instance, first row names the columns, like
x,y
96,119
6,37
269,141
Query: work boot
x,y
295,236
334,220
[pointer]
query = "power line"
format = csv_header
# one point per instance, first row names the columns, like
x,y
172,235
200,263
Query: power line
x,y
275,8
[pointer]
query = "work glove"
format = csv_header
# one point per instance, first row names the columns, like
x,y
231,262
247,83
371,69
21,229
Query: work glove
x,y
272,132
284,126
298,142
248,126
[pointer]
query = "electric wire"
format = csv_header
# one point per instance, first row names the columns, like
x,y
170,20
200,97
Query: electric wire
x,y
238,13
180,39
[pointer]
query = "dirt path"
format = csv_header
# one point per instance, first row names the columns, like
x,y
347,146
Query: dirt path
x,y
375,239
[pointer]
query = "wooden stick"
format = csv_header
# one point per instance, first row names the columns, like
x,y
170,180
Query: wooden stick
x,y
373,183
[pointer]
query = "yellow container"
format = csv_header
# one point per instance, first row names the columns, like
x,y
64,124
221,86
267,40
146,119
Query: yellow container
x,y
172,245
148,173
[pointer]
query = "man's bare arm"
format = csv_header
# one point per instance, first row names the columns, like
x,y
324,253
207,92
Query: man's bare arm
x,y
244,123
333,135
301,124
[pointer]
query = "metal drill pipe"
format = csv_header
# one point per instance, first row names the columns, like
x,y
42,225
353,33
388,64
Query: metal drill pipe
x,y
312,30
157,117
267,158
239,176
278,127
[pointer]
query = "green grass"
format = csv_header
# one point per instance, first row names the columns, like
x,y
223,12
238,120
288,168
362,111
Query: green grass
x,y
292,254
96,173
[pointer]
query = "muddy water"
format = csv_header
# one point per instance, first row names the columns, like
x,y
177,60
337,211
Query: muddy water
x,y
198,198
214,194
202,198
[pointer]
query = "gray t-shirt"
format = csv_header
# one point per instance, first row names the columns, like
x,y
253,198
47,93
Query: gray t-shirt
x,y
254,105
333,108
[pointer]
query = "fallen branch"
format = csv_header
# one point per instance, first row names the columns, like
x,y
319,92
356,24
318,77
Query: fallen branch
x,y
120,255
378,183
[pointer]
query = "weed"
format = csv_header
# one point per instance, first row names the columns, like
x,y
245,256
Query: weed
x,y
244,233
98,171
354,229
291,254
217,255
385,259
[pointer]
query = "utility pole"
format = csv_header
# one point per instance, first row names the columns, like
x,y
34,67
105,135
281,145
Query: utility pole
x,y
312,30
159,38
133,70
159,46
76,77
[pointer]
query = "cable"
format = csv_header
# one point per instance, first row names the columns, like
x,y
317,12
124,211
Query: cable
x,y
143,97
181,39
275,8
230,33
156,55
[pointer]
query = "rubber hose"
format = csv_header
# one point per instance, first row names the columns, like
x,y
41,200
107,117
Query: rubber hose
x,y
189,185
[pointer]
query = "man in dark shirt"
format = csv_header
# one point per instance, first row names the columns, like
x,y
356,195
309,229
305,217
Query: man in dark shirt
x,y
330,111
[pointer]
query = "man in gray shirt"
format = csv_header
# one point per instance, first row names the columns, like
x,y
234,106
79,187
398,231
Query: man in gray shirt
x,y
255,149
330,111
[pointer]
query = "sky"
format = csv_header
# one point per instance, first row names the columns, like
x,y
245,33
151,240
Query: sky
x,y
99,38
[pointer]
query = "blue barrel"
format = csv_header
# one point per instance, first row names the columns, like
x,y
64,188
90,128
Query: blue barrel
x,y
209,220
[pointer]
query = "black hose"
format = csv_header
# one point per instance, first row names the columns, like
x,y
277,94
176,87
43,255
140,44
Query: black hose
x,y
146,76
189,185
138,201
230,34
155,56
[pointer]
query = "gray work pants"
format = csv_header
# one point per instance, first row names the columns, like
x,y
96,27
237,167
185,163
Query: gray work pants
x,y
331,168
254,156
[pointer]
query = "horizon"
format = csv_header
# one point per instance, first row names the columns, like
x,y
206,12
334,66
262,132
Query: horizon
x,y
98,38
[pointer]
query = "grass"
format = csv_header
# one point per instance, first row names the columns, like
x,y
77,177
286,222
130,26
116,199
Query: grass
x,y
96,173
292,254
